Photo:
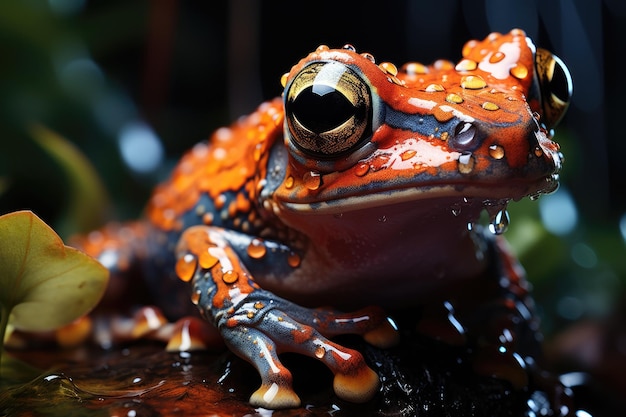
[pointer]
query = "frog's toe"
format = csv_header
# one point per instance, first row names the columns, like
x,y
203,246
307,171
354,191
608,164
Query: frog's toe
x,y
192,333
275,396
147,320
357,387
502,364
384,336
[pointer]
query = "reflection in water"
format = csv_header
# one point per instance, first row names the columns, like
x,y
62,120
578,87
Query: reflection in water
x,y
141,380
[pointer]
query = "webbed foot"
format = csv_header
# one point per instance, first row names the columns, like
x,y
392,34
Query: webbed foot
x,y
257,325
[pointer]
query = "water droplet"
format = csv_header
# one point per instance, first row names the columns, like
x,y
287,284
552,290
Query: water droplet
x,y
220,201
349,47
324,48
389,68
433,88
369,57
408,154
443,65
361,169
519,71
454,98
382,219
493,36
256,249
186,267
464,136
395,80
414,68
200,210
444,136
497,57
289,181
250,314
500,222
473,82
230,277
207,218
496,151
312,180
195,297
259,305
469,47
294,260
466,163
466,65
207,260
283,79
320,352
488,105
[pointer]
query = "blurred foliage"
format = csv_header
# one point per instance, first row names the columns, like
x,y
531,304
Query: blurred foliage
x,y
87,199
48,79
85,69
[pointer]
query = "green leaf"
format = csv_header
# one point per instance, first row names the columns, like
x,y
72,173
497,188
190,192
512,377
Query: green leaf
x,y
88,198
4,184
43,283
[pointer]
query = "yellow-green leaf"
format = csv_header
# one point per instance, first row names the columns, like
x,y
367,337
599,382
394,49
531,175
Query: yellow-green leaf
x,y
43,283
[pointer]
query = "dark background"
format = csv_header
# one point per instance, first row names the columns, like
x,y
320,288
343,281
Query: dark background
x,y
86,69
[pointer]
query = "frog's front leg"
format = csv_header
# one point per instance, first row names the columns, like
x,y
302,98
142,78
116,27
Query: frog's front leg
x,y
257,325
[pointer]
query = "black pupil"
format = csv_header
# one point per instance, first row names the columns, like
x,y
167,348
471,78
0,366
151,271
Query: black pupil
x,y
559,85
321,108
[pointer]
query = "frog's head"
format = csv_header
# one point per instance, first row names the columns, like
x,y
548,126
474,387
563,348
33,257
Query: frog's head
x,y
361,134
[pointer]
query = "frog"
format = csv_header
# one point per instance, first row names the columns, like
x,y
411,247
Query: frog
x,y
357,192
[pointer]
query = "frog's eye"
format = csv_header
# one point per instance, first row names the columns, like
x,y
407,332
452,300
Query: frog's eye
x,y
328,109
555,84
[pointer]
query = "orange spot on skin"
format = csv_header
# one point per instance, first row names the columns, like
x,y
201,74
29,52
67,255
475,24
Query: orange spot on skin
x,y
197,241
232,209
302,334
442,115
242,203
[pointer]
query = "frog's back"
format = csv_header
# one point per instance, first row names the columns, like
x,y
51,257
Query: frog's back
x,y
217,182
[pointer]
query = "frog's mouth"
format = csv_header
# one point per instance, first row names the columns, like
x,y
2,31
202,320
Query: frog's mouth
x,y
329,194
459,194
